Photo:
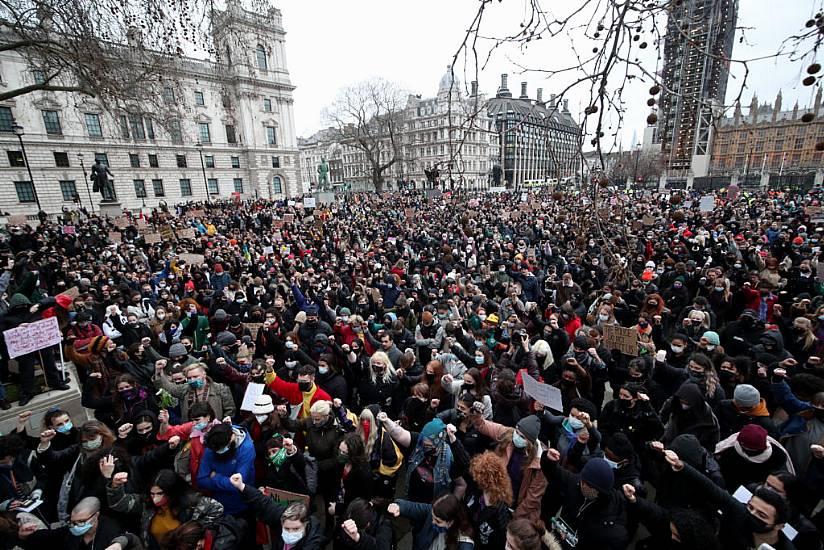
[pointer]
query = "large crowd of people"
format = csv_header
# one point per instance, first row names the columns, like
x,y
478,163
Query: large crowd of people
x,y
352,374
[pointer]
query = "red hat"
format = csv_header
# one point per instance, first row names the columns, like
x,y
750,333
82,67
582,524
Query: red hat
x,y
752,437
687,233
218,268
798,240
646,276
739,237
63,301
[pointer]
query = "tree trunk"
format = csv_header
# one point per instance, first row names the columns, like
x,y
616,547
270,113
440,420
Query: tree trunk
x,y
377,181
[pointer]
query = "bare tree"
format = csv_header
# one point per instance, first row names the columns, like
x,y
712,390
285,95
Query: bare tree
x,y
370,117
636,165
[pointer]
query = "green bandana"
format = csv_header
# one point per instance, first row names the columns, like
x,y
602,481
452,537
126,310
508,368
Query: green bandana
x,y
278,458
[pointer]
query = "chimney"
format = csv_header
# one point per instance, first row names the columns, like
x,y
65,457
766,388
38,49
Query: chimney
x,y
566,105
474,88
540,97
503,91
817,101
523,91
552,100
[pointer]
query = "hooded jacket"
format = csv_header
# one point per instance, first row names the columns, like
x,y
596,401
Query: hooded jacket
x,y
698,419
242,461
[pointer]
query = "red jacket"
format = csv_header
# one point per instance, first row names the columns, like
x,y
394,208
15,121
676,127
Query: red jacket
x,y
291,392
752,300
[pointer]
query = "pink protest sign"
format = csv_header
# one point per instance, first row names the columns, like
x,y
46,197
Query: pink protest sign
x,y
32,337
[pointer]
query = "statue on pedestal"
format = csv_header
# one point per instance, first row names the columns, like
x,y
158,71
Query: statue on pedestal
x,y
323,175
101,182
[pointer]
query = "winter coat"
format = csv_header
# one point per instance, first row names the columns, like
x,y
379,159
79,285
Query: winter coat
x,y
218,396
731,419
424,530
242,462
270,512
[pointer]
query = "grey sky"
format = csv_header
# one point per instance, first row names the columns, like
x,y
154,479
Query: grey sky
x,y
331,44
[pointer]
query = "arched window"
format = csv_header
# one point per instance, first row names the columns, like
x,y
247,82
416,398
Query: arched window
x,y
261,57
277,185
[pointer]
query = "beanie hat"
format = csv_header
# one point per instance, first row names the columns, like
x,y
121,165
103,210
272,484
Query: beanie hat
x,y
311,311
82,317
530,426
263,405
597,473
63,301
225,339
688,449
581,342
752,437
746,396
218,268
234,321
712,338
300,317
344,311
98,344
433,428
19,300
220,315
177,350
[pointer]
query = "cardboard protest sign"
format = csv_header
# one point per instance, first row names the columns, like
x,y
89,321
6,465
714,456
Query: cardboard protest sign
x,y
546,395
152,238
197,213
167,233
141,223
621,338
707,203
188,233
285,498
648,220
309,202
17,219
254,328
115,237
268,250
191,259
122,222
68,230
32,337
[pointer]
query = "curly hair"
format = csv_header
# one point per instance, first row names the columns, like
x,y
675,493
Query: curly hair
x,y
489,472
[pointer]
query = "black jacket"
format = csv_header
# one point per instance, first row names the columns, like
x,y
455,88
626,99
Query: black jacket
x,y
108,530
269,512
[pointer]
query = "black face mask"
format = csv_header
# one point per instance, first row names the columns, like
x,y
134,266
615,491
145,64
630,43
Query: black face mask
x,y
758,525
258,379
430,378
726,376
304,386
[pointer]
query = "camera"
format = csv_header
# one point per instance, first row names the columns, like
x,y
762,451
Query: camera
x,y
564,531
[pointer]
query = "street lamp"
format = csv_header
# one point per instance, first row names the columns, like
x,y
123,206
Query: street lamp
x,y
86,179
18,131
199,146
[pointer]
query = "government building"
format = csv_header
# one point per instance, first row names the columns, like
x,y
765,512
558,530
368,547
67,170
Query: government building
x,y
235,139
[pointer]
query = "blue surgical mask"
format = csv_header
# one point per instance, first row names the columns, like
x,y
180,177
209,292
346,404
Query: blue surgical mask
x,y
574,424
200,426
93,443
612,464
82,529
519,441
65,428
323,370
479,359
197,383
291,538
225,449
603,317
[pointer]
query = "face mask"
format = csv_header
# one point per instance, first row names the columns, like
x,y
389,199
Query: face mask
x,y
291,538
323,370
128,395
479,359
758,525
612,464
482,317
200,426
819,413
291,364
261,418
304,386
160,500
603,317
719,289
65,428
643,325
589,493
568,284
197,383
161,316
677,349
574,423
93,443
82,529
344,318
710,347
225,449
290,345
518,441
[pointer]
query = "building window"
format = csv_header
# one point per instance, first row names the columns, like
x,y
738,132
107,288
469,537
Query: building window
x,y
260,53
134,160
199,99
267,105
238,185
275,162
235,162
153,161
39,76
271,135
168,94
203,130
69,190
61,160
212,185
230,134
140,189
181,161
16,159
186,188
25,191
124,127
136,125
102,157
150,133
6,119
210,161
277,185
175,132
93,125
51,119
157,186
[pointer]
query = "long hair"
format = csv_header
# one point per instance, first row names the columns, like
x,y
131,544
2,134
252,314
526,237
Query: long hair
x,y
489,472
389,371
178,493
807,339
355,449
449,508
368,441
92,428
185,537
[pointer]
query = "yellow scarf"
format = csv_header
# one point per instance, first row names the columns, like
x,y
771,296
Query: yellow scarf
x,y
307,401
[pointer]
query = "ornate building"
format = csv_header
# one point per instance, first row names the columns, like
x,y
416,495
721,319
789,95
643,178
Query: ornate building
x,y
235,133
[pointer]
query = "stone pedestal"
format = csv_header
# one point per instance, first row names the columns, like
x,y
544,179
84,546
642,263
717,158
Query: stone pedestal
x,y
324,197
112,209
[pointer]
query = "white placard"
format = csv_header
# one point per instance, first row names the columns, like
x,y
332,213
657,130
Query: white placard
x,y
253,391
707,203
546,395
309,202
32,337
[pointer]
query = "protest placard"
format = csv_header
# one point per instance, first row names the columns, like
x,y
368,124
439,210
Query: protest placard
x,y
253,391
621,338
188,233
196,213
707,203
32,337
122,222
285,498
17,219
141,223
546,395
309,202
167,233
72,293
115,237
277,224
68,230
268,250
191,259
152,238
648,220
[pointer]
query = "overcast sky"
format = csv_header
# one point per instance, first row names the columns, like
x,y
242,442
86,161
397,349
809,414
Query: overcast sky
x,y
332,44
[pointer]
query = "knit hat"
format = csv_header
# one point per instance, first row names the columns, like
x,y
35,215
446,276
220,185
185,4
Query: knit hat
x,y
311,311
746,396
19,300
177,350
581,342
752,437
98,344
344,311
220,315
320,338
263,405
218,268
688,449
530,426
82,317
798,240
63,301
712,338
492,319
433,428
749,313
597,473
300,317
646,276
225,339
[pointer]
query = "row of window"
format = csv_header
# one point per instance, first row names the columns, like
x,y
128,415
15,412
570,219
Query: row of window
x,y
61,160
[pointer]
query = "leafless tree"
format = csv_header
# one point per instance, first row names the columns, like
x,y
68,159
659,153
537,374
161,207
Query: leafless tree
x,y
370,117
636,165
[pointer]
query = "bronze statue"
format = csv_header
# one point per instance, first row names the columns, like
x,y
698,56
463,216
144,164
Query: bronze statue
x,y
323,174
101,182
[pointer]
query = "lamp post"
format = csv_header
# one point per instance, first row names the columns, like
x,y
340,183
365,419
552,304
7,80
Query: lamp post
x,y
18,131
199,146
86,180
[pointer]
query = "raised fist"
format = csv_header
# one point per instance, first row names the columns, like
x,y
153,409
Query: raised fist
x,y
47,436
351,530
174,441
393,510
120,479
237,481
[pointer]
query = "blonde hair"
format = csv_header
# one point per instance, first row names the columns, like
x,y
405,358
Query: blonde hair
x,y
808,338
321,407
541,347
366,415
389,373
